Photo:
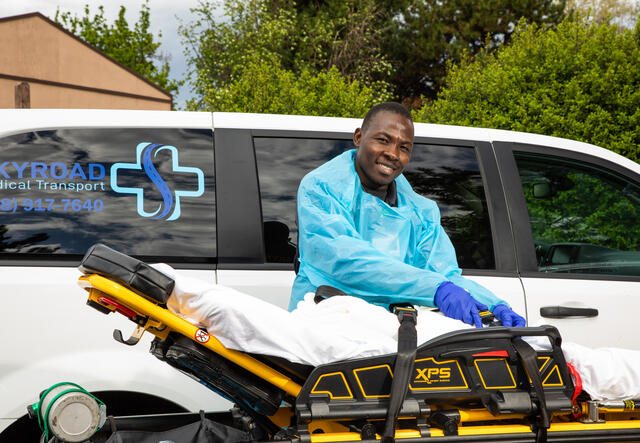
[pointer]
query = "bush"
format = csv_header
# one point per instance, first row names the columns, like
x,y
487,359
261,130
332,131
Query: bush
x,y
265,87
579,81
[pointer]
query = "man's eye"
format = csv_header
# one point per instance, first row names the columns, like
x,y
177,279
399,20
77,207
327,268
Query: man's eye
x,y
405,148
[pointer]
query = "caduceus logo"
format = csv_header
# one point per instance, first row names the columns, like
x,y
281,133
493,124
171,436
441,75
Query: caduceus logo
x,y
169,208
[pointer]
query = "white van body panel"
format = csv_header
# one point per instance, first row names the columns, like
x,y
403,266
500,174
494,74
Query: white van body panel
x,y
273,286
617,303
14,121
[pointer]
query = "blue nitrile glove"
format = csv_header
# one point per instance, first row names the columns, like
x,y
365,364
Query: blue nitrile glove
x,y
508,317
456,302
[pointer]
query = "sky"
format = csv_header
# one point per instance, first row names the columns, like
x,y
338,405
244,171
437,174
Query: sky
x,y
165,17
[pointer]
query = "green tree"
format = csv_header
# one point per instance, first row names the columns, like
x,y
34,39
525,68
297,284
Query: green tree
x,y
135,48
579,81
426,36
319,58
265,87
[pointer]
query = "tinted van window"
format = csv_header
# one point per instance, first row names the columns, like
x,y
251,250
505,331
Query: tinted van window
x,y
449,175
282,162
145,192
585,219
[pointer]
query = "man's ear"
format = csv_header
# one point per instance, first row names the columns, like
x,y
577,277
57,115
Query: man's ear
x,y
357,135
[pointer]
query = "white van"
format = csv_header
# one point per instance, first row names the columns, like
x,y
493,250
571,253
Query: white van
x,y
550,225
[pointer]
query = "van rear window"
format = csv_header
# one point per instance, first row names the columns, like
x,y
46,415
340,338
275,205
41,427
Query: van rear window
x,y
145,192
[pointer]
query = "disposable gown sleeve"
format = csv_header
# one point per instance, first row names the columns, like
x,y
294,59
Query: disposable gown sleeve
x,y
438,251
335,253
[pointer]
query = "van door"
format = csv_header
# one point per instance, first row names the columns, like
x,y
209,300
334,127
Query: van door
x,y
461,177
578,243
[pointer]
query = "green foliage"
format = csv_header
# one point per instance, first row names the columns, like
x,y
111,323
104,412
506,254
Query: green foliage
x,y
265,87
399,45
579,81
286,56
342,33
427,34
134,48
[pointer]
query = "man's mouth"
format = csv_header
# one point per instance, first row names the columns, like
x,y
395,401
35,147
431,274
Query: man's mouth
x,y
385,168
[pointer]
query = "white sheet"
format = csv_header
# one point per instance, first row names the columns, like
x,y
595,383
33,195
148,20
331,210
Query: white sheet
x,y
343,328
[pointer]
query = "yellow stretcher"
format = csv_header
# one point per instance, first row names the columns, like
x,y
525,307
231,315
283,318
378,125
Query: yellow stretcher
x,y
472,385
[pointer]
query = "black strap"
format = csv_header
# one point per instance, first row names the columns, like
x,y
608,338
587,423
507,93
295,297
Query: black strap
x,y
530,361
325,291
402,368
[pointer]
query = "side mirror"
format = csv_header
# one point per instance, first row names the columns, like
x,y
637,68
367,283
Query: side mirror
x,y
542,190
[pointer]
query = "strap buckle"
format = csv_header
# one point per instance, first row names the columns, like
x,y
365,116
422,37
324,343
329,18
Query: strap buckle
x,y
488,318
405,311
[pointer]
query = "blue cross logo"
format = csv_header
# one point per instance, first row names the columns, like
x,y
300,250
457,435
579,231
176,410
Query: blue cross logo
x,y
170,206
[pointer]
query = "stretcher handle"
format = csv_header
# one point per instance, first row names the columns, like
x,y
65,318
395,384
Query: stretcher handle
x,y
495,333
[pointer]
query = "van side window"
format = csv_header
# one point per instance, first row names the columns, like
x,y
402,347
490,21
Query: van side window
x,y
144,192
450,175
282,162
584,218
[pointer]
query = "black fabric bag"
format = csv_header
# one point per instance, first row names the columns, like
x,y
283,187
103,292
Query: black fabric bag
x,y
202,431
139,276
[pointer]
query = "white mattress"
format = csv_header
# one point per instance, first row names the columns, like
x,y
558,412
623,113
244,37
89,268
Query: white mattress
x,y
342,328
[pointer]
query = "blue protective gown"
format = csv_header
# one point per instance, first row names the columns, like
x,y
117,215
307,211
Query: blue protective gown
x,y
354,241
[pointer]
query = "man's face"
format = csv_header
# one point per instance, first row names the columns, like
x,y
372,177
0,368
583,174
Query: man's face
x,y
384,149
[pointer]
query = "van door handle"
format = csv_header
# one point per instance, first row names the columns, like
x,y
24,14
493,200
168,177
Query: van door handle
x,y
564,312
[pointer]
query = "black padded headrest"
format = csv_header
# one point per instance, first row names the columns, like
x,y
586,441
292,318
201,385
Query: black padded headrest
x,y
131,272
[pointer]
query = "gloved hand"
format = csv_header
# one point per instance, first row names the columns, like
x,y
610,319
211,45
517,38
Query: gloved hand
x,y
456,302
508,317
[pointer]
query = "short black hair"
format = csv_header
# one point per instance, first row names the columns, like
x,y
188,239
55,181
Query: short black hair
x,y
394,107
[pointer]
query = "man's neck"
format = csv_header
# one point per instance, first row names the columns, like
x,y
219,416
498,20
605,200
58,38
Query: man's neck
x,y
388,195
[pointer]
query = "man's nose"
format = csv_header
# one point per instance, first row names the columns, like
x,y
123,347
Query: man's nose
x,y
393,151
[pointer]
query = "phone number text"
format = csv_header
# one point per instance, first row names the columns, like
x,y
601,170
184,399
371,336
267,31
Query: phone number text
x,y
50,204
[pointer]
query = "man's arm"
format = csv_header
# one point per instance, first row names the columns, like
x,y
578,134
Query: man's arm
x,y
439,253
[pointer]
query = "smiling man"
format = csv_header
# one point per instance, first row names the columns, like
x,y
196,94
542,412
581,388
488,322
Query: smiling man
x,y
363,230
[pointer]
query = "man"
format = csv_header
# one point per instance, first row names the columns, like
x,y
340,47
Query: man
x,y
365,231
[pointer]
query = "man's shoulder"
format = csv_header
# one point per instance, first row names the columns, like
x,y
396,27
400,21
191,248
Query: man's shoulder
x,y
423,205
336,173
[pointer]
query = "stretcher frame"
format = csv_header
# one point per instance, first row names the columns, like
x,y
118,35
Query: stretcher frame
x,y
296,421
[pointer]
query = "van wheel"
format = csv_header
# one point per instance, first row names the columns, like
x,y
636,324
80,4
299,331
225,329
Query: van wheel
x,y
118,403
